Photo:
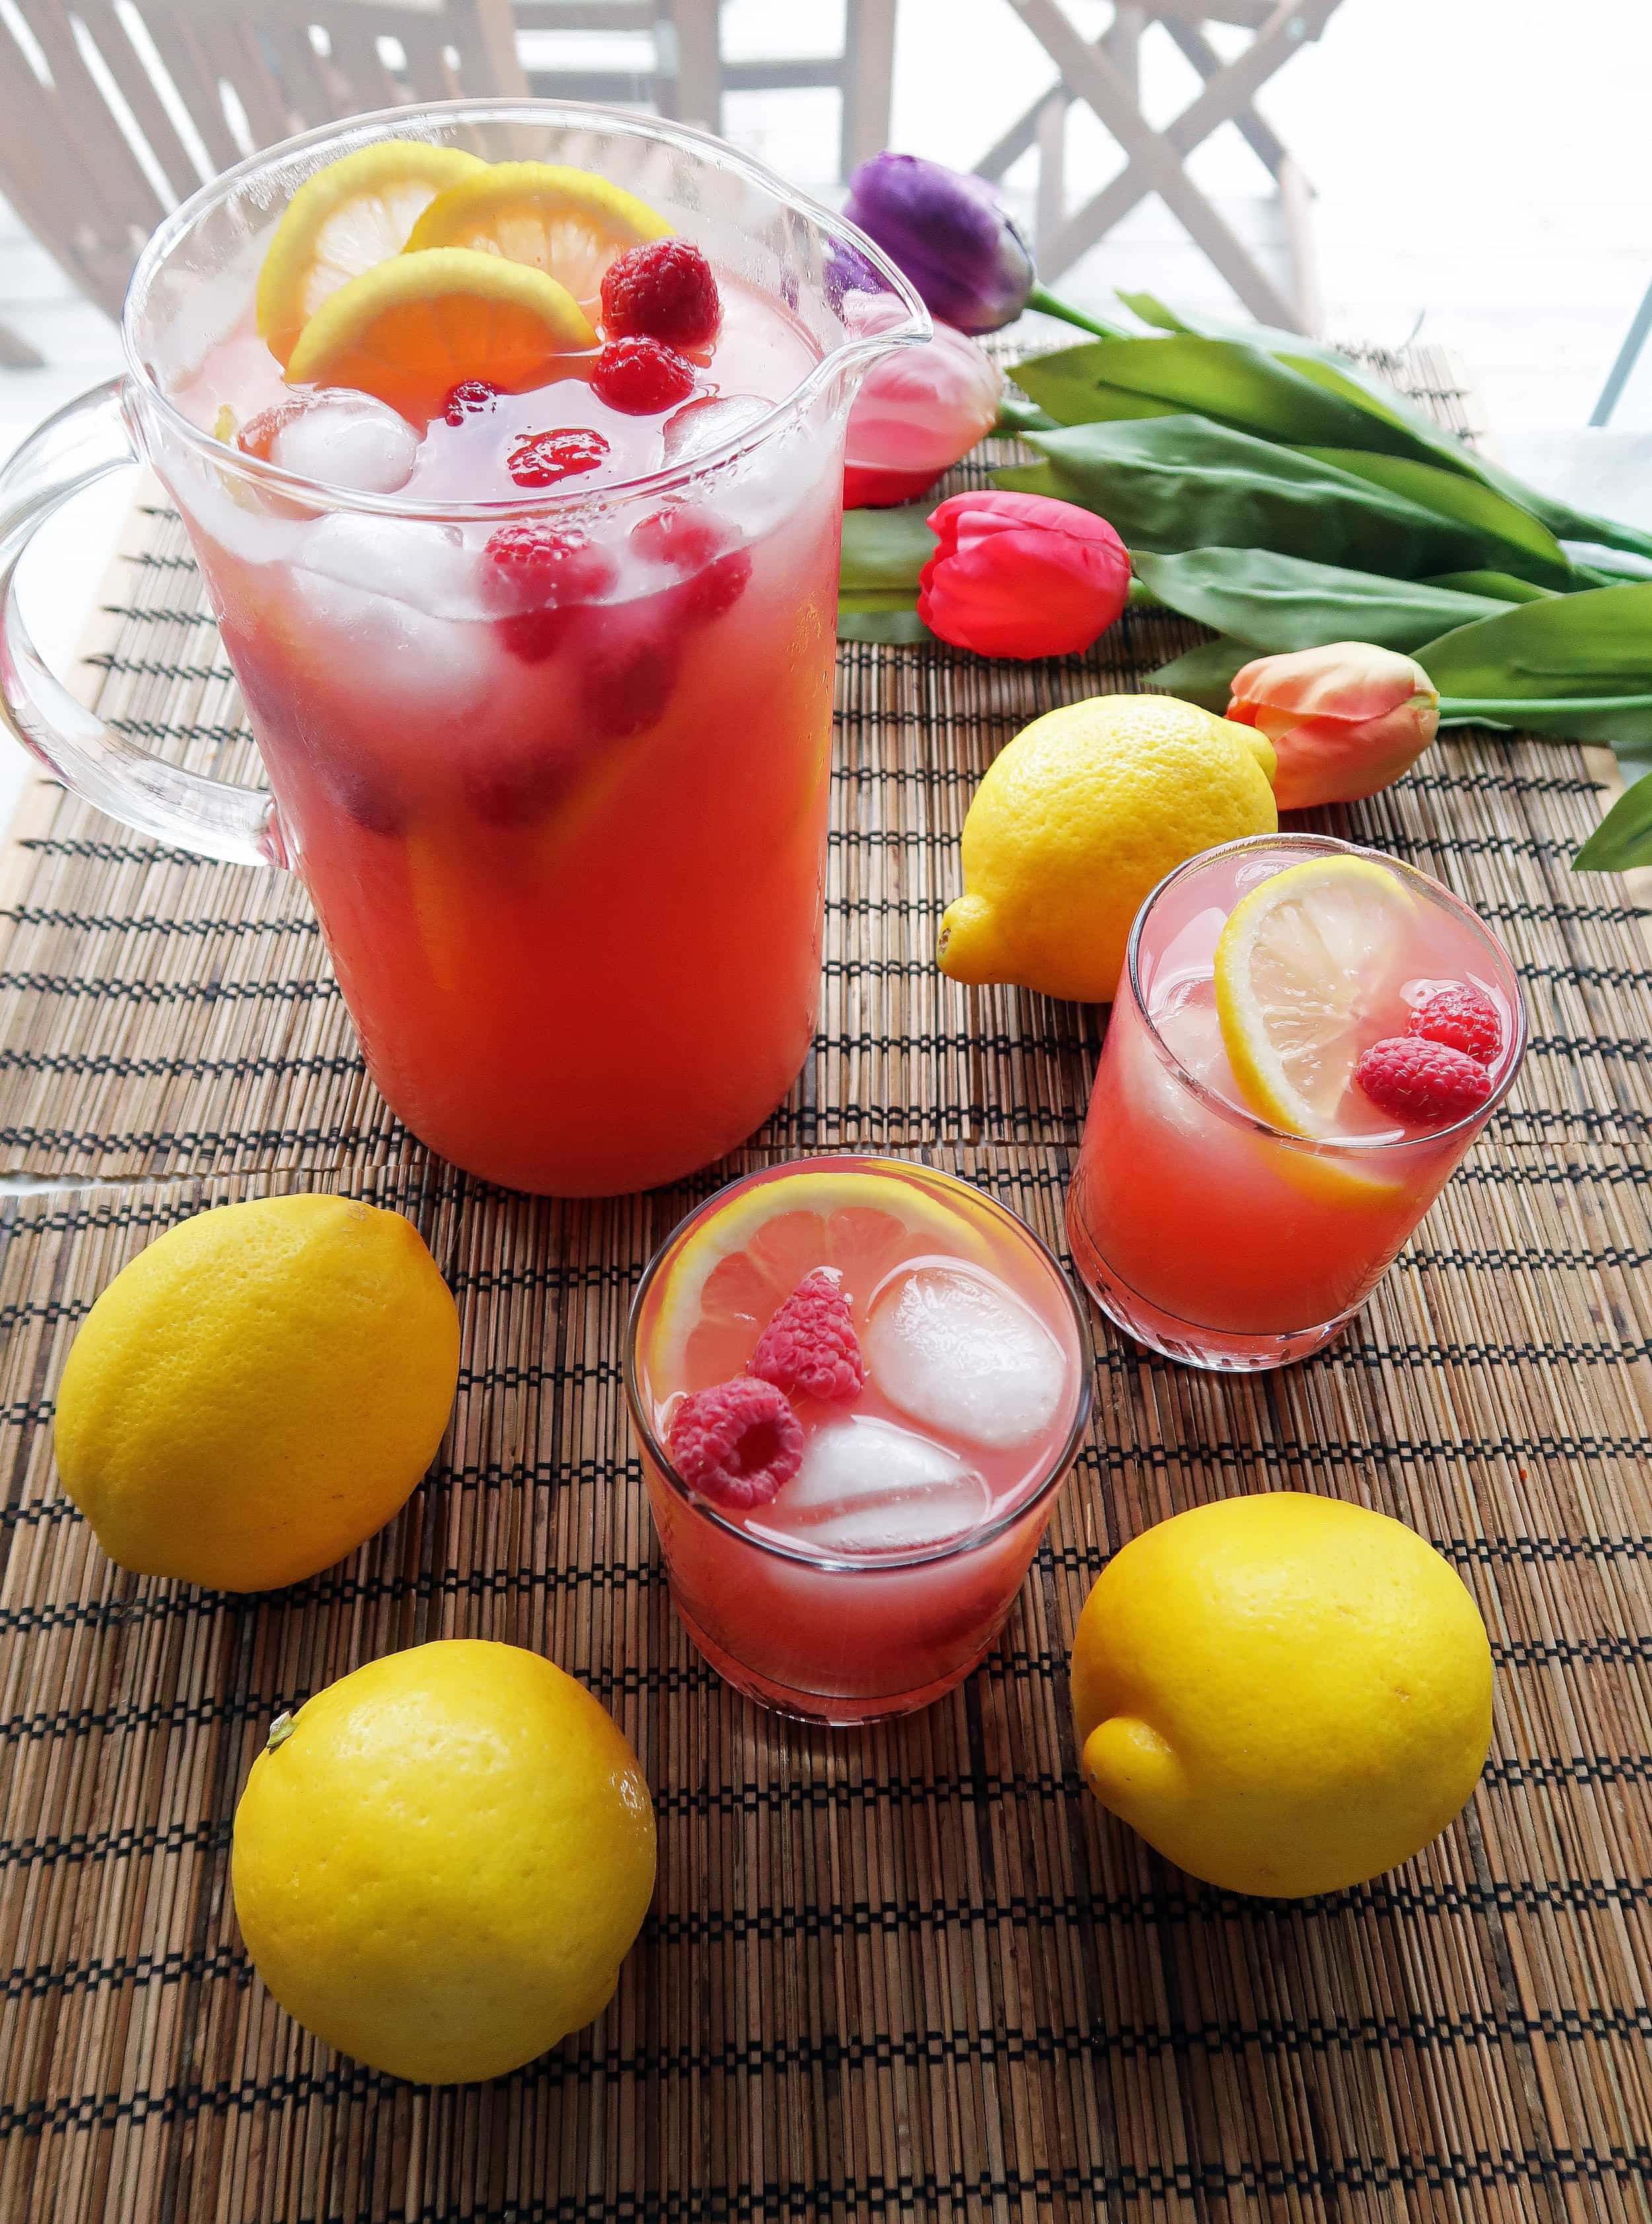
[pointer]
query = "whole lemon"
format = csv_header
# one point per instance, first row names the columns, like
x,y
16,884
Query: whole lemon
x,y
1285,1694
258,1391
441,1862
1078,819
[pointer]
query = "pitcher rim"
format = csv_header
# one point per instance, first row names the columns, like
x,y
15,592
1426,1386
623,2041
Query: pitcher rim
x,y
405,122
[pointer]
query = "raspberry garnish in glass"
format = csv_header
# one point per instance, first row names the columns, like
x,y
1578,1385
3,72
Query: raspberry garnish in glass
x,y
1306,1040
856,1383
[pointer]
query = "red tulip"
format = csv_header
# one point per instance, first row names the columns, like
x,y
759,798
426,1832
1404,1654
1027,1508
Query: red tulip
x,y
917,413
1021,575
1344,719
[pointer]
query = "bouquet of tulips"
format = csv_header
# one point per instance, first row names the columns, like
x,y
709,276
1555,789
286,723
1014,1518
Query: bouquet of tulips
x,y
1261,485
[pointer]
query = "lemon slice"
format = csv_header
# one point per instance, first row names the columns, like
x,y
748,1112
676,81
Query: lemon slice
x,y
761,1246
356,213
408,329
564,221
1303,963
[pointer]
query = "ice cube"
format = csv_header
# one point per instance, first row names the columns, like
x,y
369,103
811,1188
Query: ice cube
x,y
870,1486
350,441
412,560
698,427
956,1350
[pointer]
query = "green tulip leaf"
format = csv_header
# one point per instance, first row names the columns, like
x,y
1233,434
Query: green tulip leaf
x,y
1203,675
1624,838
1282,603
885,549
1029,478
1578,666
1523,544
1499,586
1152,310
1224,380
1170,484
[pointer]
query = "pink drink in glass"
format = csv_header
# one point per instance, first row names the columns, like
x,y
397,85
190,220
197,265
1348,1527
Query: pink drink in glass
x,y
1203,1231
879,1575
568,865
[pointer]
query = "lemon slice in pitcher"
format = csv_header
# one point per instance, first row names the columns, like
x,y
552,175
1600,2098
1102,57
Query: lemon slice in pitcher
x,y
567,222
354,213
407,330
1303,963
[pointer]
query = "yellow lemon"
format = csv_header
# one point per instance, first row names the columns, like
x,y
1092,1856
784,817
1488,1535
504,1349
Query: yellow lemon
x,y
407,330
1284,1694
441,1862
258,1391
342,221
1078,819
570,223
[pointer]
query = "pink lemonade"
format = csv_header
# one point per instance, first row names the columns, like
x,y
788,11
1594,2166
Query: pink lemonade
x,y
1206,1231
879,1571
562,816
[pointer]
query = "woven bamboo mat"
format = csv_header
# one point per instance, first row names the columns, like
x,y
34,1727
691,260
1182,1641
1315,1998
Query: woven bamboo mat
x,y
906,1974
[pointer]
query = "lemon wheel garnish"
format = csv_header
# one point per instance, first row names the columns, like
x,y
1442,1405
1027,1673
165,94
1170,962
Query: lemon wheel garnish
x,y
567,222
409,329
1301,964
825,1195
356,213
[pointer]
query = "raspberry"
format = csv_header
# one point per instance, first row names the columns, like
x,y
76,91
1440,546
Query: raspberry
x,y
696,544
1427,1083
472,397
809,1347
628,670
540,575
664,288
641,377
258,436
540,459
737,1443
1462,1017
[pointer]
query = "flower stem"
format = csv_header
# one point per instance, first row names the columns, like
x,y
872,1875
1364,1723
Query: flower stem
x,y
1053,305
1513,709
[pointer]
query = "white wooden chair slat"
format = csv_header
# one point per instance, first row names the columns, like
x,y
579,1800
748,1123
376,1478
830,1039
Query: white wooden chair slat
x,y
1103,75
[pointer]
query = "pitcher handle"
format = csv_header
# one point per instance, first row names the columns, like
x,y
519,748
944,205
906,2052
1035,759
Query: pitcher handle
x,y
81,444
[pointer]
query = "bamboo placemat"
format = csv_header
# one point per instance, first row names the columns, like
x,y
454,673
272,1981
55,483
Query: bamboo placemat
x,y
907,1973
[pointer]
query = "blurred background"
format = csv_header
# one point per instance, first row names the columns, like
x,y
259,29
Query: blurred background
x,y
1471,176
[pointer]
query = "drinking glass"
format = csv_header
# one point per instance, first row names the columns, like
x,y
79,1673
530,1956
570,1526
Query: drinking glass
x,y
1204,1233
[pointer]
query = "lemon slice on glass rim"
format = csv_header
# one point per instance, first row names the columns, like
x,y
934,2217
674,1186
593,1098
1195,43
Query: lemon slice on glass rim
x,y
408,329
1301,963
567,222
356,211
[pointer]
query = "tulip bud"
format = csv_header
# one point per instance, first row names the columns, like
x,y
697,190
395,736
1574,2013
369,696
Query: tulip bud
x,y
1346,719
918,412
947,232
1022,575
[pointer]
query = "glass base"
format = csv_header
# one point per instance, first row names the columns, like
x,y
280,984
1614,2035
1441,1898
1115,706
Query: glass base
x,y
829,1710
1219,1351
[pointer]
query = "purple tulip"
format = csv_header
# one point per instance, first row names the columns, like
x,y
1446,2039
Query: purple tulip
x,y
949,235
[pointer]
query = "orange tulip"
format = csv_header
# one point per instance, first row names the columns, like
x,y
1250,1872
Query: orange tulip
x,y
1344,719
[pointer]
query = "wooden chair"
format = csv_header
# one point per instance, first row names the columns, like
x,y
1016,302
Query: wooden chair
x,y
1104,76
682,70
112,114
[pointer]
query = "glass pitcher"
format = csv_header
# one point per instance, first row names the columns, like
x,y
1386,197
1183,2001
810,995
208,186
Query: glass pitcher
x,y
575,901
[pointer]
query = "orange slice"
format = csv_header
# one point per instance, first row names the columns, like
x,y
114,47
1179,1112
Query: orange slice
x,y
356,213
567,222
409,329
744,1261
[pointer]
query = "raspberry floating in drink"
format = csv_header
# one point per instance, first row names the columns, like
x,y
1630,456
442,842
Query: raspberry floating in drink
x,y
736,1442
664,290
641,377
809,1347
541,459
1422,1082
1461,1016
